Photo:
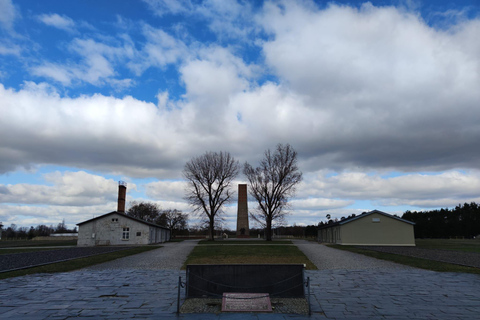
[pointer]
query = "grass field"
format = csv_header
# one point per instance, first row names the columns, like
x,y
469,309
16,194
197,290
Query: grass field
x,y
465,245
248,254
78,263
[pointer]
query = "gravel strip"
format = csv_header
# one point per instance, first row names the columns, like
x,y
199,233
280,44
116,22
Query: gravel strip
x,y
27,259
470,259
326,258
170,255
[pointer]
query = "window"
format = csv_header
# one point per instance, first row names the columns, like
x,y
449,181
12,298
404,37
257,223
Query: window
x,y
114,219
126,234
139,234
375,219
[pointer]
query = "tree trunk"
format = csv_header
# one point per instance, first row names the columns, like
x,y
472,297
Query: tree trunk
x,y
211,230
269,229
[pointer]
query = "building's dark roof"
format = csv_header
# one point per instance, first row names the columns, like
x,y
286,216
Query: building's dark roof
x,y
124,215
344,221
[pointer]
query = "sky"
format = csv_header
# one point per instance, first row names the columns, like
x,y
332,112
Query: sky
x,y
380,99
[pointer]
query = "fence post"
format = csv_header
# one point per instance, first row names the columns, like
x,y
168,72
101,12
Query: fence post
x,y
309,308
178,296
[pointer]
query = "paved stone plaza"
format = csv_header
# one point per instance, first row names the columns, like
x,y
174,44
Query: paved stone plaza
x,y
368,293
152,294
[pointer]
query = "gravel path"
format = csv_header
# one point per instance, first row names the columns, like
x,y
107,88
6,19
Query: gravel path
x,y
171,255
326,258
470,259
22,260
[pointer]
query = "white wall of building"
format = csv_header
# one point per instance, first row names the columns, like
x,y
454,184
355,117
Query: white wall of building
x,y
117,229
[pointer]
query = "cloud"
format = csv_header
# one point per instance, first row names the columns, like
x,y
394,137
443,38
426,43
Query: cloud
x,y
98,130
68,189
376,79
159,50
162,7
8,14
227,19
61,22
50,215
319,204
166,190
9,48
96,65
419,190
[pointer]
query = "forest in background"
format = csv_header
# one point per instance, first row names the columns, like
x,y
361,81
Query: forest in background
x,y
461,222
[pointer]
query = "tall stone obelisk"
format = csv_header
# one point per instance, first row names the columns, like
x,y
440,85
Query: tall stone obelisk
x,y
243,231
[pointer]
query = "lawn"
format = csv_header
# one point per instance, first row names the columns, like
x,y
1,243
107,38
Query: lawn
x,y
465,245
247,254
78,263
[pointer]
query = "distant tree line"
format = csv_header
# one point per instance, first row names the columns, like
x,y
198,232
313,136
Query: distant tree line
x,y
461,222
297,231
202,229
14,232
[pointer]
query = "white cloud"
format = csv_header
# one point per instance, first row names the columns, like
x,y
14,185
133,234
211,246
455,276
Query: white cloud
x,y
319,204
376,79
227,19
50,215
55,20
96,66
9,48
84,130
160,50
418,190
162,7
173,191
69,188
7,14
55,71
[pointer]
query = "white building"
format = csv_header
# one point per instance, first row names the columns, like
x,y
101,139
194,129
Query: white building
x,y
116,228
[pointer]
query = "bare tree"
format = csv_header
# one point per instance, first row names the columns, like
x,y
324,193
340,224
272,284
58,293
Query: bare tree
x,y
209,179
146,211
173,219
272,183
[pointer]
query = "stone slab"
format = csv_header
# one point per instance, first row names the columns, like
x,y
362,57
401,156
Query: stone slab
x,y
246,302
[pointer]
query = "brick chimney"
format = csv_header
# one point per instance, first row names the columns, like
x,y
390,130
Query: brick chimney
x,y
243,231
122,194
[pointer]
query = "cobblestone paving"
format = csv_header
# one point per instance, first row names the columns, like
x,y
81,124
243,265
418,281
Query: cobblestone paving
x,y
152,294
